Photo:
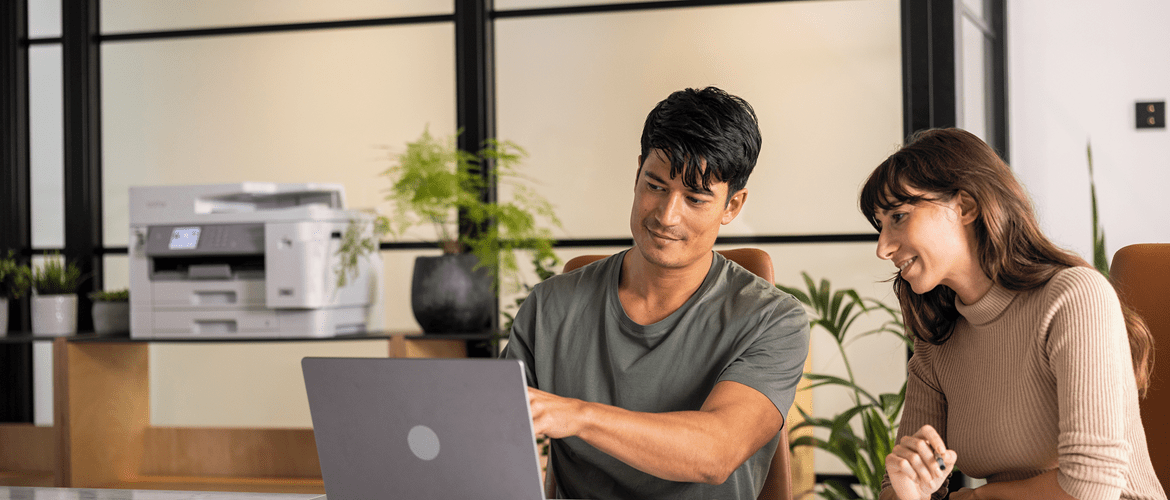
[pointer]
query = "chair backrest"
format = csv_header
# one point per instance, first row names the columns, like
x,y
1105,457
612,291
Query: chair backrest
x,y
778,485
1141,274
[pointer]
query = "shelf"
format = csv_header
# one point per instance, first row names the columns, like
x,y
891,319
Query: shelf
x,y
26,337
102,437
212,483
31,479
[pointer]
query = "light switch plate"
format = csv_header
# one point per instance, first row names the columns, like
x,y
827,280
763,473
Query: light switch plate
x,y
1151,114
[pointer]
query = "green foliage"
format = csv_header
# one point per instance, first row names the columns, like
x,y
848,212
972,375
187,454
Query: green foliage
x,y
862,450
55,276
1100,261
360,239
15,279
433,181
544,270
122,295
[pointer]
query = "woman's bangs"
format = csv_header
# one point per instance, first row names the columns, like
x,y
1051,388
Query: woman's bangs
x,y
885,190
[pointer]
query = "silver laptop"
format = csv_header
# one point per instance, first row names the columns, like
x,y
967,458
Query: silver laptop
x,y
421,429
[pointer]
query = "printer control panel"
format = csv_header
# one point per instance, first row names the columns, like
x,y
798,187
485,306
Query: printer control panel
x,y
211,239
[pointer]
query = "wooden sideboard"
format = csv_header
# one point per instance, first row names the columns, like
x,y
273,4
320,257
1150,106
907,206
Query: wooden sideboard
x,y
102,436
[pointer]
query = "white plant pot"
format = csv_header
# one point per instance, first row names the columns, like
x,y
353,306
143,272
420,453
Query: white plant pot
x,y
54,314
3,316
111,317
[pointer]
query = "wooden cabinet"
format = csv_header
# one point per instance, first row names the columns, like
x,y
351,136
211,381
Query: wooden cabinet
x,y
102,436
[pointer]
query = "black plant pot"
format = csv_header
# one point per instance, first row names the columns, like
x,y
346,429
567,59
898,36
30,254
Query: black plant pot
x,y
447,296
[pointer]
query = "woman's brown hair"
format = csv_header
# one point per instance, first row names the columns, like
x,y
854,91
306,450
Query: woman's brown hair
x,y
1013,252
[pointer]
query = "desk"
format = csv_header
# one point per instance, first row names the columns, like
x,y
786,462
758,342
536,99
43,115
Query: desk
x,y
23,493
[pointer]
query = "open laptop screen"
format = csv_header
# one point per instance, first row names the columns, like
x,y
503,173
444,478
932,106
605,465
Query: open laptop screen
x,y
422,428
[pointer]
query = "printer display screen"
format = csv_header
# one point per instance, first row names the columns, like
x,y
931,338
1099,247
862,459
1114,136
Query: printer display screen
x,y
184,238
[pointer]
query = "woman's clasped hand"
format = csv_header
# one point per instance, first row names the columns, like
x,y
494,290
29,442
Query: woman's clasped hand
x,y
913,465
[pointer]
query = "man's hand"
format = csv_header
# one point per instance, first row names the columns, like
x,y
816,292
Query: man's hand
x,y
552,415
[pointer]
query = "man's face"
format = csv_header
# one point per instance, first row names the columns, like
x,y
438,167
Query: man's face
x,y
673,225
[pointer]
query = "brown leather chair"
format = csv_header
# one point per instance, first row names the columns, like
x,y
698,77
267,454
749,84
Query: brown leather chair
x,y
778,485
1141,275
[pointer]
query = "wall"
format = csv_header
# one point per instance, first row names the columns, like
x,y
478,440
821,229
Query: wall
x,y
1075,70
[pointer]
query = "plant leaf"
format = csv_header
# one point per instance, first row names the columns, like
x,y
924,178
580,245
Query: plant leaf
x,y
822,379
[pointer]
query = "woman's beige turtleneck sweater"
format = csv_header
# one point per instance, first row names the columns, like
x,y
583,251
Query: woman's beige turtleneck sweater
x,y
1037,380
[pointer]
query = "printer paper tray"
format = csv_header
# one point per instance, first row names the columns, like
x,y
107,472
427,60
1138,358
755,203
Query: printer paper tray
x,y
211,294
228,323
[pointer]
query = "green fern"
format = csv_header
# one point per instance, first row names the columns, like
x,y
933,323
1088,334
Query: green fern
x,y
434,181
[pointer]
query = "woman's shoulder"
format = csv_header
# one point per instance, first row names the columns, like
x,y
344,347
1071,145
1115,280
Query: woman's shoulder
x,y
1077,286
1077,279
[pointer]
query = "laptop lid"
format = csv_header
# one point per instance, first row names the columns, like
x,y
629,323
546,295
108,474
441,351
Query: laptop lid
x,y
422,428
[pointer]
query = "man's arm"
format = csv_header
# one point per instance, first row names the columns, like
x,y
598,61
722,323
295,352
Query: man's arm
x,y
703,446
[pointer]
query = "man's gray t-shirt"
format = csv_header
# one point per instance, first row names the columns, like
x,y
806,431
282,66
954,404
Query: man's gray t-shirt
x,y
576,341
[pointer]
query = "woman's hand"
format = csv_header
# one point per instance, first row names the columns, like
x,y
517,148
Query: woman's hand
x,y
913,464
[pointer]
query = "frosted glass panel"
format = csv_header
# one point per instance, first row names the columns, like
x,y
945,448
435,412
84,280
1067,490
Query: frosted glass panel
x,y
878,361
976,7
973,81
824,78
44,18
257,385
46,146
318,106
116,274
541,4
152,15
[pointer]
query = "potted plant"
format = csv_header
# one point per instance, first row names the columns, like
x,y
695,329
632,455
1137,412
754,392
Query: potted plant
x,y
54,306
864,452
433,182
111,311
14,281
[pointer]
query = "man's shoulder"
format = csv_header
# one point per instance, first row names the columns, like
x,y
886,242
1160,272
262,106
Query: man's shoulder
x,y
583,279
741,284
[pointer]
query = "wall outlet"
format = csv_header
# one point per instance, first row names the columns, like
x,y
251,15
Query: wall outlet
x,y
1151,114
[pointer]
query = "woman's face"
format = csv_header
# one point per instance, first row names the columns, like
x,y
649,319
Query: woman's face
x,y
931,242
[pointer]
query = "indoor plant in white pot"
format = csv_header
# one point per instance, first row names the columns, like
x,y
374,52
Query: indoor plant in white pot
x,y
111,311
54,306
432,183
14,281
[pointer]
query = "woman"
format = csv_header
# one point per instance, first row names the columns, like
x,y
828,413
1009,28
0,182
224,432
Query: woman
x,y
1026,370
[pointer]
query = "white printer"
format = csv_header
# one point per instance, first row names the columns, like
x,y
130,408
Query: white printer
x,y
251,259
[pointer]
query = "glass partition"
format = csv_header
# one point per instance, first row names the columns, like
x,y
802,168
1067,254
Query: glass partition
x,y
46,146
44,18
575,91
156,15
307,106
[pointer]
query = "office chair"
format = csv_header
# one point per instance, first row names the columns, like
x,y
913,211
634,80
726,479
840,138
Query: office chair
x,y
1141,275
778,485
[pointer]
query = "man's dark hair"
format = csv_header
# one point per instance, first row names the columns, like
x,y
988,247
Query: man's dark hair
x,y
694,125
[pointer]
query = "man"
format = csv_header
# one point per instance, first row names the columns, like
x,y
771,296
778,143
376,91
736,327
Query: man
x,y
665,371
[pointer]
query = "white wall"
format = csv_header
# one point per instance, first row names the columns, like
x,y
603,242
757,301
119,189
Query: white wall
x,y
1075,70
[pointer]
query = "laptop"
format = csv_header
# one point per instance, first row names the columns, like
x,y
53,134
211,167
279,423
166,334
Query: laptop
x,y
418,429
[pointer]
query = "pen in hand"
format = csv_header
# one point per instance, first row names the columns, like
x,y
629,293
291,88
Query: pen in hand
x,y
938,458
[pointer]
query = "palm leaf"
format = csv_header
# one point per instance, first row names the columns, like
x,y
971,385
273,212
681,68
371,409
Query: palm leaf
x,y
836,490
822,380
